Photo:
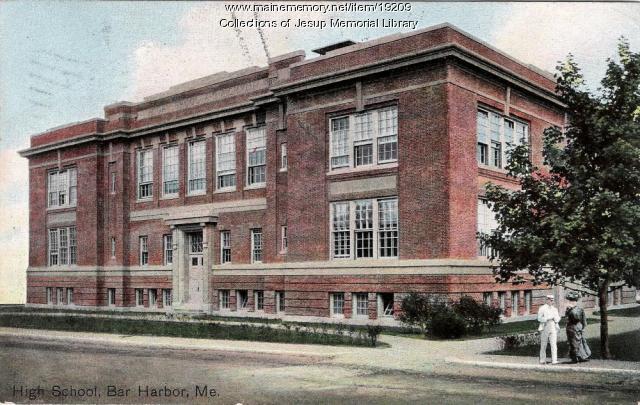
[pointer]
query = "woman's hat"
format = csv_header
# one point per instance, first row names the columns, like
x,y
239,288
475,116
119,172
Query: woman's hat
x,y
572,296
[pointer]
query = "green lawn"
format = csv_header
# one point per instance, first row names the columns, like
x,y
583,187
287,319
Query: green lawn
x,y
624,346
624,312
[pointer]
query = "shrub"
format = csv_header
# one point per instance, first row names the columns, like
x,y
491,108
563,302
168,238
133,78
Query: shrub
x,y
419,309
511,342
447,324
373,331
476,315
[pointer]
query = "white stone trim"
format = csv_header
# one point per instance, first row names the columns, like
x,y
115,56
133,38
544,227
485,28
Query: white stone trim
x,y
199,210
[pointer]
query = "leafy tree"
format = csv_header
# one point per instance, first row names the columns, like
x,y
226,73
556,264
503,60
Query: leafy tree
x,y
577,219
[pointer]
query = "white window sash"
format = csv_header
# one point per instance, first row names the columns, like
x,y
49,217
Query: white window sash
x,y
375,228
197,167
170,168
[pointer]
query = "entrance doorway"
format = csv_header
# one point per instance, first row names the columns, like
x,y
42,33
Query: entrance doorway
x,y
196,268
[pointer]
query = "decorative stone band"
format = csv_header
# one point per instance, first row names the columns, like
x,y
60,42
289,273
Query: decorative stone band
x,y
100,271
207,211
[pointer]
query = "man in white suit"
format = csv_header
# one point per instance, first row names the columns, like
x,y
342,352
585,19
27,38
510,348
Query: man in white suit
x,y
549,326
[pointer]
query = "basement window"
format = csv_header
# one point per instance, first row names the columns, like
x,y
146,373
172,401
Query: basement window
x,y
385,305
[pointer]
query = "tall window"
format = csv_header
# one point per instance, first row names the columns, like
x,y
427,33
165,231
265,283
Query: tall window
x,y
361,304
62,188
256,156
60,295
283,156
364,228
168,249
50,295
258,299
256,246
514,303
242,299
280,302
139,297
197,167
63,248
69,296
224,299
153,298
337,304
226,161
486,224
527,302
225,247
502,300
388,228
369,225
166,297
111,297
364,139
341,230
113,247
112,177
385,305
144,250
487,298
145,173
170,170
284,242
497,136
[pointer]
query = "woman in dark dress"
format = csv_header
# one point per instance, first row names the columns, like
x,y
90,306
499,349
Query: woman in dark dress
x,y
576,322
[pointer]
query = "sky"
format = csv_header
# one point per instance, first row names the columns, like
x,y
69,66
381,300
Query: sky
x,y
62,62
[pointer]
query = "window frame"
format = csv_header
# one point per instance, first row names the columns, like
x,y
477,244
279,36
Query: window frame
x,y
515,304
140,183
356,302
113,247
336,304
492,137
70,246
284,159
166,170
225,236
224,300
143,250
167,297
49,295
284,239
348,219
70,183
60,296
167,249
346,138
200,142
220,172
249,132
152,295
113,176
139,297
258,300
69,296
111,293
239,296
485,223
254,250
280,299
382,310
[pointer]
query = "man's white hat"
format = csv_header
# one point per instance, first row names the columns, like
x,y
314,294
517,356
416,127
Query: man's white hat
x,y
550,297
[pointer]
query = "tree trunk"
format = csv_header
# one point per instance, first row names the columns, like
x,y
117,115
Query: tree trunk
x,y
604,321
